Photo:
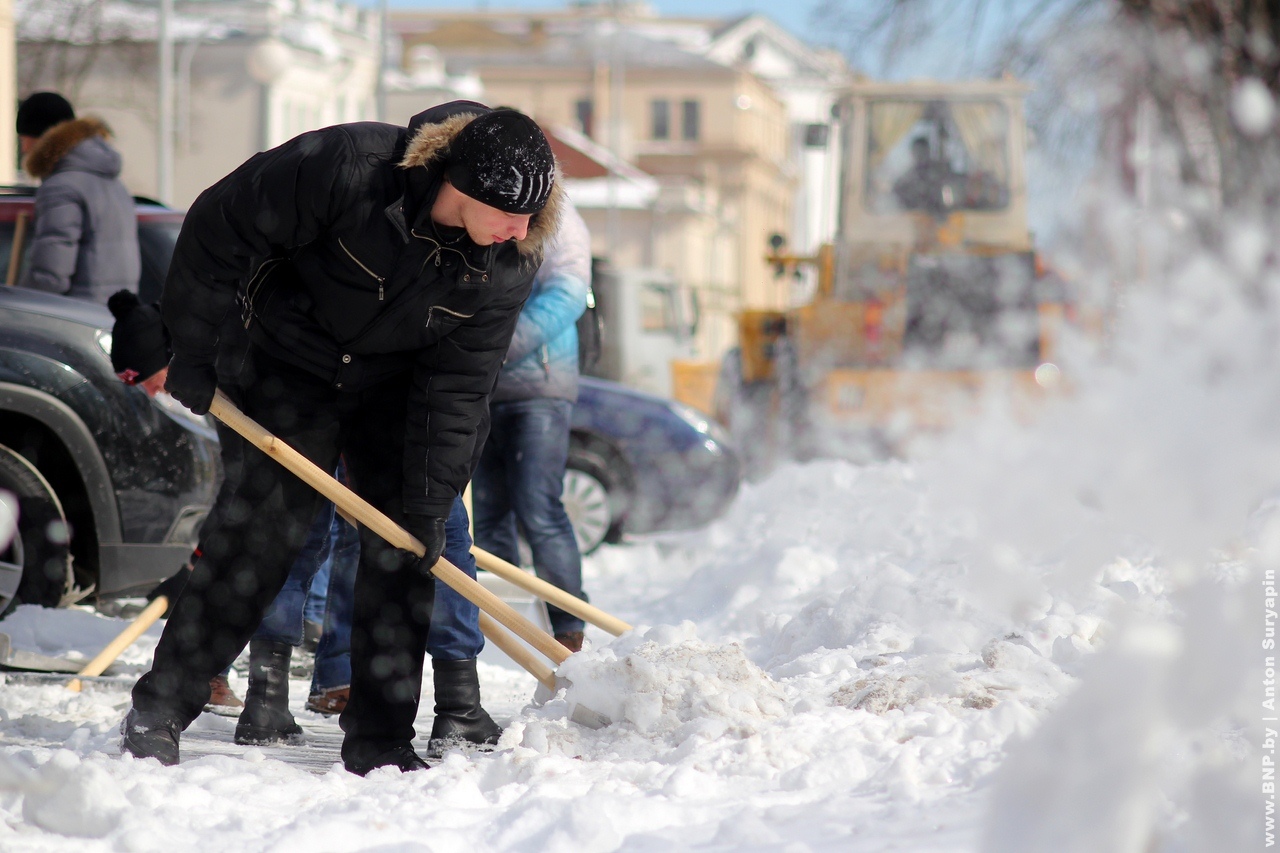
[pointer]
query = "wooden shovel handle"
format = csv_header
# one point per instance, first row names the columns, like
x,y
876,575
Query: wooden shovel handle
x,y
366,514
518,653
123,640
549,593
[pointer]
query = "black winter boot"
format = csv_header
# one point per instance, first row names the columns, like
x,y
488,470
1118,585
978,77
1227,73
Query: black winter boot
x,y
150,735
459,716
266,718
400,756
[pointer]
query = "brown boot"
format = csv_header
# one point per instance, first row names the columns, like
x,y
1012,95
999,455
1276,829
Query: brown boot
x,y
329,702
571,640
222,699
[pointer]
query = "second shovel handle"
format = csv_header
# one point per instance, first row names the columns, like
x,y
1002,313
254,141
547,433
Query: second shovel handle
x,y
549,593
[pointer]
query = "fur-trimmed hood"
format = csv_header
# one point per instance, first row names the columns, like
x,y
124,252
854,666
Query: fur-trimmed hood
x,y
60,140
429,145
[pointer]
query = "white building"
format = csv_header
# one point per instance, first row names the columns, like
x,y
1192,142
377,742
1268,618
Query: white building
x,y
248,74
809,82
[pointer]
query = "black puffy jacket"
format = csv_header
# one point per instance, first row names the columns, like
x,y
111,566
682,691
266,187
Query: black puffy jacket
x,y
329,243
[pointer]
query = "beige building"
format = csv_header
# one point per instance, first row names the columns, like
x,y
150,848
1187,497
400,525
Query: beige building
x,y
714,138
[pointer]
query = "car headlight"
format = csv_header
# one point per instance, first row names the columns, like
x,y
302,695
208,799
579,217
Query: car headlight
x,y
702,423
103,337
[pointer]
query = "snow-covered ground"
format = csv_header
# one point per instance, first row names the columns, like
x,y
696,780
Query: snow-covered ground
x,y
813,672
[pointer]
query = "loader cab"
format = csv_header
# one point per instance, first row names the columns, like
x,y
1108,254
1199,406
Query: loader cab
x,y
931,165
933,235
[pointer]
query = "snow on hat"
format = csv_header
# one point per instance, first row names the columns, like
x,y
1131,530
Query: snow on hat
x,y
42,111
502,159
139,343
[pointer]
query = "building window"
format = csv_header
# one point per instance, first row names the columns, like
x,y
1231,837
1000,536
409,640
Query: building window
x,y
689,111
585,111
661,116
815,135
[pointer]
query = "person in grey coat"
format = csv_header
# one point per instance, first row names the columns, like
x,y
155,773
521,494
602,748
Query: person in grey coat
x,y
85,236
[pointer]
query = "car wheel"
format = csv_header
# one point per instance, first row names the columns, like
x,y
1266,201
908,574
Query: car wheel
x,y
593,498
36,565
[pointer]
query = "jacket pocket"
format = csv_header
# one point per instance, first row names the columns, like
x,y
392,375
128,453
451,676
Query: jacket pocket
x,y
259,292
381,280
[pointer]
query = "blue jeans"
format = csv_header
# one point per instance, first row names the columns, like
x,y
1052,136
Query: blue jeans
x,y
520,479
313,610
333,542
455,622
333,654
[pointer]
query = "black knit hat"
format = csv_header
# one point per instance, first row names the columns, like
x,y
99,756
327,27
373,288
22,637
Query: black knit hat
x,y
139,342
42,111
502,158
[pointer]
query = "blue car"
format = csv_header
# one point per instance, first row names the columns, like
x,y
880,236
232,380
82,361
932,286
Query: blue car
x,y
642,464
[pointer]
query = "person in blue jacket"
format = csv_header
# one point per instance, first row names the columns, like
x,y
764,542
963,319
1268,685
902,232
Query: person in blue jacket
x,y
520,477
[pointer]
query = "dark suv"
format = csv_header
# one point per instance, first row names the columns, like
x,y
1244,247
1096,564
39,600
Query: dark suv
x,y
112,485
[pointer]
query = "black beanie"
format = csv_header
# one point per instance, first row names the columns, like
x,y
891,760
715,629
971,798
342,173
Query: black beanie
x,y
502,158
42,111
139,343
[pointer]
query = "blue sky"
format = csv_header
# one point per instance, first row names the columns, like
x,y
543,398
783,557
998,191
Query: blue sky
x,y
792,14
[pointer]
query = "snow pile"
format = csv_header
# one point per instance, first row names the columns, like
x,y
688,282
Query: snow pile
x,y
661,680
65,795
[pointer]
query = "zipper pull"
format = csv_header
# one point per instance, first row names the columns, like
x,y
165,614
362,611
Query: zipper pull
x,y
437,257
380,291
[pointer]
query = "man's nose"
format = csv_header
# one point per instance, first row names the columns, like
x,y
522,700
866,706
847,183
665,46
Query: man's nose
x,y
518,228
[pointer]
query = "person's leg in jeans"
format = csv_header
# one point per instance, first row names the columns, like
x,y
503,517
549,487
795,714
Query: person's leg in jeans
x,y
455,621
317,597
283,619
266,717
454,642
536,452
331,678
490,497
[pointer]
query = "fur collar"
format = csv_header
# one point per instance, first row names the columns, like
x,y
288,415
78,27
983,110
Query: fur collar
x,y
429,146
54,144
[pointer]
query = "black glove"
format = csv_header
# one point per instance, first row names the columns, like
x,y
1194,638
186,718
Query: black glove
x,y
429,530
192,383
171,587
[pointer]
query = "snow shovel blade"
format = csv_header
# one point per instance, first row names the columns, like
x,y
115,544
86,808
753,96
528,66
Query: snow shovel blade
x,y
579,713
549,682
588,718
11,658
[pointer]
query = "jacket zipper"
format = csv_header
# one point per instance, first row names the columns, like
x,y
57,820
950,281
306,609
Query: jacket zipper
x,y
440,248
252,288
376,277
432,310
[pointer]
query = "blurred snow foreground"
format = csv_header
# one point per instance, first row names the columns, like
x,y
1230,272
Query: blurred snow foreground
x,y
1026,639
